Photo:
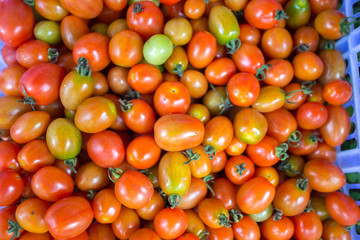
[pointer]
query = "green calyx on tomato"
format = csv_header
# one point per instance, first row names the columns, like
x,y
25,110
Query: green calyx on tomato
x,y
179,70
29,2
210,151
114,174
53,55
235,216
280,15
240,169
191,156
232,46
225,103
277,214
28,99
294,138
91,194
126,105
83,67
14,228
260,72
204,235
174,200
72,162
224,220
314,138
305,88
345,25
137,8
209,181
302,48
302,183
281,151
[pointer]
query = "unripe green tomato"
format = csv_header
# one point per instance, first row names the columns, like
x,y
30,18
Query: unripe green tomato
x,y
47,31
157,49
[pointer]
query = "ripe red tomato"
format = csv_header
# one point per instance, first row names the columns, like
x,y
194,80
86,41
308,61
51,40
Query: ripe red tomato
x,y
194,195
333,230
225,191
239,169
100,231
311,115
195,225
170,223
236,147
219,132
126,224
144,78
9,80
337,92
105,206
223,233
32,52
152,208
307,66
249,33
85,9
277,42
36,236
308,143
248,58
281,124
196,82
144,234
280,229
201,49
213,213
342,208
11,187
243,89
263,153
140,157
246,228
306,35
327,23
72,28
307,225
324,151
8,157
8,214
219,71
270,173
263,14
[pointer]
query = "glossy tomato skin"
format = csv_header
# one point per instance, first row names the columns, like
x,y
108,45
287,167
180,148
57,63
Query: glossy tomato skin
x,y
327,23
277,43
178,132
311,115
318,205
42,82
144,234
196,193
149,211
210,211
170,223
282,229
144,78
202,166
270,173
7,213
261,13
195,224
307,66
220,70
69,217
239,169
263,153
248,58
243,89
10,110
281,123
9,80
270,98
72,28
337,92
201,49
334,66
249,33
342,208
32,52
308,143
126,224
8,158
63,139
218,133
91,177
307,226
17,22
11,188
246,228
324,151
225,191
36,236
337,127
103,231
84,9
105,206
333,230
222,233
236,147
306,35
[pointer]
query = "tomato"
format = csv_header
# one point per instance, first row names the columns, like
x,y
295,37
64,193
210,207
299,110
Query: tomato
x,y
218,162
269,173
249,33
218,133
35,155
220,70
324,151
30,215
264,153
84,9
337,92
248,58
42,83
17,22
36,236
145,18
117,78
7,214
264,215
280,74
213,213
201,49
144,234
144,78
72,29
91,177
101,85
177,62
295,95
199,161
9,80
29,126
169,2
223,233
188,236
282,229
292,196
66,61
48,31
115,5
225,191
263,14
195,82
276,42
281,124
126,224
236,147
318,205
103,231
52,10
69,217
239,169
170,223
292,166
106,149
149,211
141,158
214,100
270,98
200,24
32,52
318,6
8,158
157,49
333,230
307,225
246,228
334,66
327,23
342,208
308,143
82,236
337,127
243,89
8,54
178,132
11,187
307,66
194,223
179,31
250,126
311,115
307,35
299,13
105,206
10,110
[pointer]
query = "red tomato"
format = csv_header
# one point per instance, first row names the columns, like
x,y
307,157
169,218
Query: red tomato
x,y
332,230
140,157
100,231
16,22
36,236
170,223
85,9
213,213
144,78
264,153
219,132
308,143
219,71
8,214
342,208
223,233
236,147
263,14
8,54
126,224
255,195
327,23
72,28
311,115
280,74
9,80
277,42
152,208
239,169
243,89
248,58
246,228
105,206
307,66
307,225
270,173
11,187
201,49
106,149
281,124
307,35
282,229
324,151
225,191
194,195
32,52
8,157
69,217
195,225
249,33
337,92
144,234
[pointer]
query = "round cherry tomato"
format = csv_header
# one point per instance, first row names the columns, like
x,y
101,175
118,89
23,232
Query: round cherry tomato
x,y
246,228
263,14
281,229
243,89
324,151
236,147
280,73
196,83
225,191
140,157
52,10
307,66
194,9
277,43
327,23
149,211
144,78
32,52
311,115
248,58
239,169
179,31
105,206
299,13
8,54
249,33
318,6
263,153
11,187
196,193
307,225
72,29
126,224
270,173
157,49
337,92
10,110
48,31
85,9
333,230
306,35
270,98
7,214
213,213
91,177
307,144
170,223
281,124
223,233
218,133
201,49
220,70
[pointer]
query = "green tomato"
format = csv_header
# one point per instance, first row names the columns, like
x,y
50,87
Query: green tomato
x,y
157,49
299,13
262,216
100,28
223,24
157,2
63,139
48,31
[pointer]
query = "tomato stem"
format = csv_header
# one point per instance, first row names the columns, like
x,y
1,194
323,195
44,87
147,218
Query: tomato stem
x,y
235,216
162,194
29,2
345,25
329,44
294,139
314,138
71,162
91,194
260,72
14,228
224,220
204,235
132,94
28,99
174,200
280,15
209,182
305,88
232,46
302,48
83,67
281,150
125,105
191,156
206,2
53,55
178,69
302,183
137,8
240,169
225,104
347,228
114,174
210,151
278,213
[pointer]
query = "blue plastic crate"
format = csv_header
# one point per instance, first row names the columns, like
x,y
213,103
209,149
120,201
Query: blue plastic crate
x,y
348,160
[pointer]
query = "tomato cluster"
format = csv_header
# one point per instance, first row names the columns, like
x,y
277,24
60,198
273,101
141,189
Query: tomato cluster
x,y
173,119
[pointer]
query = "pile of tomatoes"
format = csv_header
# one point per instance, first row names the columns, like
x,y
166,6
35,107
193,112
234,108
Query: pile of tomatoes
x,y
173,119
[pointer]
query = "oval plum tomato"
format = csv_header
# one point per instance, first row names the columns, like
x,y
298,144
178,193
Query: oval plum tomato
x,y
327,23
144,78
178,132
337,92
280,229
106,149
307,225
7,215
264,153
306,35
149,211
333,230
249,33
255,195
196,193
250,126
8,158
170,223
270,173
115,5
101,85
264,14
105,206
9,80
179,30
292,196
219,132
307,66
342,208
85,9
195,82
270,98
236,147
171,97
195,224
337,127
126,48
11,187
91,177
239,169
194,9
219,71
334,66
277,42
223,233
35,155
307,144
140,157
32,52
213,213
69,217
218,162
72,29
10,110
145,18
281,124
52,184
29,126
63,139
248,58
318,6
174,176
17,22
41,83
126,224
52,10
311,115
95,114
36,236
225,191
201,49
199,161
246,228
243,89
325,152
93,47
144,234
102,231
280,74
133,189
178,62
30,215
